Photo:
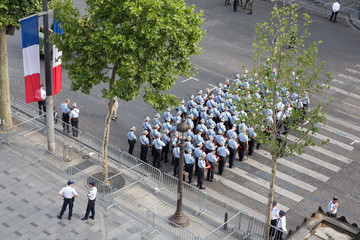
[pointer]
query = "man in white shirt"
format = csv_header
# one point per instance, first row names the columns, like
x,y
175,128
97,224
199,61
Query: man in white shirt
x,y
333,206
281,225
91,202
41,94
274,218
335,10
74,119
69,194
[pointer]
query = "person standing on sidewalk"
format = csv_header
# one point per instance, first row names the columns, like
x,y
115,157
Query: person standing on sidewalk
x,y
333,206
335,10
145,145
74,119
274,218
65,115
41,94
131,139
281,225
91,202
69,194
202,166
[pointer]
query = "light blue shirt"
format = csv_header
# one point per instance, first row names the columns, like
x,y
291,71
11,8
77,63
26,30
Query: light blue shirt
x,y
156,121
223,151
194,112
174,140
165,138
167,114
243,137
131,135
251,132
233,144
147,126
209,145
211,157
219,139
201,163
189,158
221,126
198,151
189,146
144,140
198,99
210,132
210,122
215,112
230,133
201,126
158,143
65,108
198,138
167,126
154,133
74,113
176,152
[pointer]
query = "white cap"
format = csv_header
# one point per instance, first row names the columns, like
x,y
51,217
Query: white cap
x,y
192,97
202,121
200,91
156,126
147,119
157,115
188,138
132,128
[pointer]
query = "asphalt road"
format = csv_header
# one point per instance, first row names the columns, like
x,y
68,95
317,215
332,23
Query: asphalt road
x,y
227,46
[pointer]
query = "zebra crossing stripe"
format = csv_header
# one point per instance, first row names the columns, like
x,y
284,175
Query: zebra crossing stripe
x,y
249,193
339,121
234,203
295,166
349,78
338,90
336,130
331,154
264,183
353,71
281,175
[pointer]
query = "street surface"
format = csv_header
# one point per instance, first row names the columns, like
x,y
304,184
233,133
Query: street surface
x,y
303,182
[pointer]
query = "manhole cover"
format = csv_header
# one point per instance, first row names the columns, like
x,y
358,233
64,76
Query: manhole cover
x,y
116,182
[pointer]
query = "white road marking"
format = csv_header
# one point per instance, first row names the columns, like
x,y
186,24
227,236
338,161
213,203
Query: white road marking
x,y
339,121
190,78
338,90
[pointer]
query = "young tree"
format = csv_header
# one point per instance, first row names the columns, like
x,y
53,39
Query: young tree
x,y
10,12
286,71
134,46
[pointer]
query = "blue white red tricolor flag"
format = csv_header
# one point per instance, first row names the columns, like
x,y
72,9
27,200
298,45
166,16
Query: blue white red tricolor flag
x,y
56,61
31,58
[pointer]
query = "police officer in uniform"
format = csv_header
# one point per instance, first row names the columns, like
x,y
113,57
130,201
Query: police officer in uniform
x,y
243,138
274,218
176,156
145,145
223,152
158,144
74,119
212,159
131,139
202,166
165,150
189,164
252,142
69,194
233,145
333,206
91,202
65,115
281,225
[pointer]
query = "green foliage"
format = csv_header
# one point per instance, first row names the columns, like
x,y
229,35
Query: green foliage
x,y
130,45
13,10
289,52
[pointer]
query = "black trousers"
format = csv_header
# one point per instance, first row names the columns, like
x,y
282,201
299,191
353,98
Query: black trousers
x,y
278,235
131,146
272,230
189,169
252,143
236,4
70,202
75,126
200,178
65,119
334,14
231,157
221,165
210,173
143,152
156,160
165,152
42,106
242,150
176,166
196,166
90,208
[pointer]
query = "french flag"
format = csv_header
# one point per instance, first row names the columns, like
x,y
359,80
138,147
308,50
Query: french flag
x,y
31,58
56,61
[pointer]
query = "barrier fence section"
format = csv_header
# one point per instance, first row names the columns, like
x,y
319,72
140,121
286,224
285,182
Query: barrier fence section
x,y
140,171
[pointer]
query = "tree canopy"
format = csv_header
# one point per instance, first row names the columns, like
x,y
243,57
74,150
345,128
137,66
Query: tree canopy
x,y
133,45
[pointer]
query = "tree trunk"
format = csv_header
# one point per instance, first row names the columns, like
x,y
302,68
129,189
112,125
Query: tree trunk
x,y
106,139
271,196
5,107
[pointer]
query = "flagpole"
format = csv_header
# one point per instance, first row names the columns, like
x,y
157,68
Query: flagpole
x,y
48,83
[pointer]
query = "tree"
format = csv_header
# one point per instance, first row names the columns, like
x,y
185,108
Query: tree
x,y
10,12
136,47
285,69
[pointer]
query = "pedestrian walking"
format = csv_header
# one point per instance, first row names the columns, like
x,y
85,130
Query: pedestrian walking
x,y
41,94
202,166
333,206
335,10
91,195
115,108
274,218
281,225
65,115
132,139
145,145
158,144
74,119
69,194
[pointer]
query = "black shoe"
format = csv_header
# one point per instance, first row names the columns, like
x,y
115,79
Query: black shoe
x,y
231,166
69,217
92,217
249,13
202,188
83,219
59,217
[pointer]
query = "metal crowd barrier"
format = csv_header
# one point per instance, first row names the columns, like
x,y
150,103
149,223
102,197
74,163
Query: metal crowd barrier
x,y
239,221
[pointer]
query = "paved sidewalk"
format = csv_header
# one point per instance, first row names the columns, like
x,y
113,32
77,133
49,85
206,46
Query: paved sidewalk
x,y
30,203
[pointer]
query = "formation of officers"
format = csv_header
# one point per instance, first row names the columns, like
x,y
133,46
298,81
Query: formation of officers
x,y
213,137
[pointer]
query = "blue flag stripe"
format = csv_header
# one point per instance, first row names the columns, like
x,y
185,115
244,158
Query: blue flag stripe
x,y
57,28
30,31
